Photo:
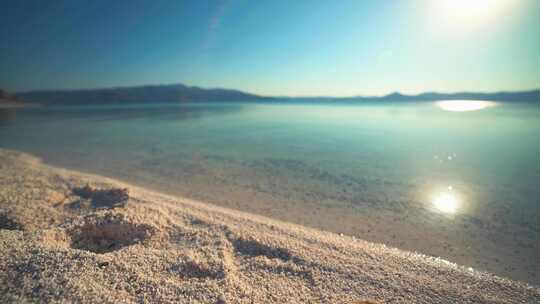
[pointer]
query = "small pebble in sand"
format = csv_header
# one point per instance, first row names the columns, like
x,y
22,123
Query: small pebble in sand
x,y
103,264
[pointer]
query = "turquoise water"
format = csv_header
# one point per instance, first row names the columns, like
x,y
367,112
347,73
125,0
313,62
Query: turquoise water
x,y
462,185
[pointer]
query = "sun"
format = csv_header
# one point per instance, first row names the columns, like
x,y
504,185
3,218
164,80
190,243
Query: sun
x,y
459,15
471,9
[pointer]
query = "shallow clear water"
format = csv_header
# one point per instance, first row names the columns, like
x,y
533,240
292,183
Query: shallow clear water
x,y
462,185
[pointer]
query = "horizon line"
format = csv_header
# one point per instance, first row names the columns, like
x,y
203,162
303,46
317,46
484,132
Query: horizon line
x,y
397,92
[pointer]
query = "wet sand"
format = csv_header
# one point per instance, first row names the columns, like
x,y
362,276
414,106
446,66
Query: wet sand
x,y
55,246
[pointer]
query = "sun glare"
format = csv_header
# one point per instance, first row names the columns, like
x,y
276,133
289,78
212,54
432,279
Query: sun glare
x,y
464,105
446,203
457,15
472,8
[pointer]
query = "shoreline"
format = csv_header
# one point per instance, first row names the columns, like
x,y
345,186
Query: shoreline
x,y
14,104
169,248
465,240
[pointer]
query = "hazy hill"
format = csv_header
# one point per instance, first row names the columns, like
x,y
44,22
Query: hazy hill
x,y
533,95
8,99
150,93
180,92
4,95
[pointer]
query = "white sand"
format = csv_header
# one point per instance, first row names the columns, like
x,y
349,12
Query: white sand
x,y
54,247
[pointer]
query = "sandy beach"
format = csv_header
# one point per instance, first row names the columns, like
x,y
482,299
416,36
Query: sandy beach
x,y
59,245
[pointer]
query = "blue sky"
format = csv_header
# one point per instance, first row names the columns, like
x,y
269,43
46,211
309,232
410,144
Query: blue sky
x,y
297,48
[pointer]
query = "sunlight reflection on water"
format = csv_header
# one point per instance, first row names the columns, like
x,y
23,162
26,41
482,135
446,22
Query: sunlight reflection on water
x,y
464,105
446,202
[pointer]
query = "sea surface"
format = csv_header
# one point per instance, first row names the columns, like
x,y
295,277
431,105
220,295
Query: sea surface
x,y
458,180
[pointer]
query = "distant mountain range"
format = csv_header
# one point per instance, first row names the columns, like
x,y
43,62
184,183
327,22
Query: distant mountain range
x,y
7,99
183,93
533,95
148,93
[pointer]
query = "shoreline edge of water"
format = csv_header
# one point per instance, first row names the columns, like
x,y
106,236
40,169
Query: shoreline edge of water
x,y
171,249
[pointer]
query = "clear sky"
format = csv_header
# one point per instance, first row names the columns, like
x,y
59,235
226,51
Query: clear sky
x,y
273,47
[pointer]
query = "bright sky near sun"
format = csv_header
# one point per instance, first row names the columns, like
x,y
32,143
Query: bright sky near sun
x,y
338,48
